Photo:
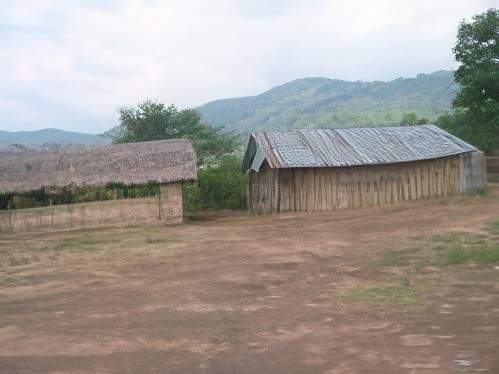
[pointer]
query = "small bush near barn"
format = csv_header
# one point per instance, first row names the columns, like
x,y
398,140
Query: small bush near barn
x,y
219,186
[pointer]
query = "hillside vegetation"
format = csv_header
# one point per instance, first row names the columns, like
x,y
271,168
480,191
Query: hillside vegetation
x,y
323,102
50,138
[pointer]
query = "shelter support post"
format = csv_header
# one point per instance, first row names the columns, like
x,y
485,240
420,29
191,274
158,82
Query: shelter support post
x,y
170,203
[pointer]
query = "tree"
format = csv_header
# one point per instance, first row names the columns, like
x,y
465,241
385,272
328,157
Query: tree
x,y
151,120
476,106
422,121
409,118
219,186
477,51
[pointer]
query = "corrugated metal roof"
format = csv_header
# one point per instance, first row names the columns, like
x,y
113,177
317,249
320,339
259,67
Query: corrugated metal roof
x,y
350,147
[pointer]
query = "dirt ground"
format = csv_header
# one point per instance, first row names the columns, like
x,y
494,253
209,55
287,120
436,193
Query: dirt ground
x,y
353,291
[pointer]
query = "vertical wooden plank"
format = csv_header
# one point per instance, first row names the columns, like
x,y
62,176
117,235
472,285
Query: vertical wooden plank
x,y
310,190
396,186
327,180
406,183
382,188
438,175
388,189
456,176
292,192
342,189
431,178
414,182
424,180
275,202
318,188
334,188
285,193
299,181
372,192
446,176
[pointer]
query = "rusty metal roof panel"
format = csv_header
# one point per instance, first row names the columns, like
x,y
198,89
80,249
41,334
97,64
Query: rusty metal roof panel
x,y
353,146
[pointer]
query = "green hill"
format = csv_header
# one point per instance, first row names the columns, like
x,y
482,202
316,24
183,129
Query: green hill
x,y
50,138
323,102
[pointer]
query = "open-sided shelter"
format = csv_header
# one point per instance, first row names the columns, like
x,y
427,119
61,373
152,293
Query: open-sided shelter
x,y
324,169
167,162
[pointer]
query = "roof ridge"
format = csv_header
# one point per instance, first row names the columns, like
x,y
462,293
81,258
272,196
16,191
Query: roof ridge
x,y
297,129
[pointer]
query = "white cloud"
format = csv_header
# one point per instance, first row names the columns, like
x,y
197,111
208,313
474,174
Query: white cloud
x,y
70,64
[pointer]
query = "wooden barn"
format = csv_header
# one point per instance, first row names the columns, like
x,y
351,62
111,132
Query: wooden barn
x,y
167,162
326,169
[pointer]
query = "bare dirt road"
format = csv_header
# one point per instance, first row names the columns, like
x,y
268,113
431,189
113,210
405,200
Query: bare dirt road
x,y
381,290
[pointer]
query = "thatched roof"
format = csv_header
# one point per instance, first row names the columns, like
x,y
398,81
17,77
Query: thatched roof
x,y
350,147
162,161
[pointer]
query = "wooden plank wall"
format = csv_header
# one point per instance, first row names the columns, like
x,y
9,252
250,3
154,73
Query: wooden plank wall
x,y
263,190
313,189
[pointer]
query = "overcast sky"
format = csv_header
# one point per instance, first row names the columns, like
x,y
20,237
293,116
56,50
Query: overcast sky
x,y
70,64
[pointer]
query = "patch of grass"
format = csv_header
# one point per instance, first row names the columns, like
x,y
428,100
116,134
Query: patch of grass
x,y
399,258
443,250
462,248
402,295
82,244
454,238
494,226
484,255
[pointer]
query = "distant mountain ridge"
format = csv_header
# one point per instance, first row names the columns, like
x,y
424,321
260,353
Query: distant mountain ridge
x,y
324,102
308,102
50,138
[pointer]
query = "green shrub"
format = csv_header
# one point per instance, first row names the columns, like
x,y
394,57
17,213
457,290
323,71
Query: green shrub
x,y
221,185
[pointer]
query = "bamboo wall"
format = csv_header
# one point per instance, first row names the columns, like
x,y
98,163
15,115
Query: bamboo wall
x,y
314,189
165,209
